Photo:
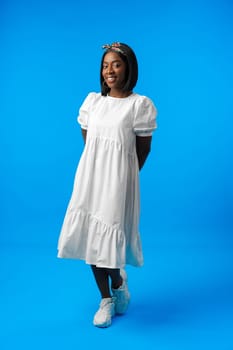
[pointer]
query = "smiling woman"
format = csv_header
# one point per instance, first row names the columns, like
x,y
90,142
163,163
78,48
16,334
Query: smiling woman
x,y
102,219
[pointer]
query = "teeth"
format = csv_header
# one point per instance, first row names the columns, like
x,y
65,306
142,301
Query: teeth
x,y
111,79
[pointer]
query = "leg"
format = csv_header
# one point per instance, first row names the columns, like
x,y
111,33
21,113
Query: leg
x,y
102,281
115,277
103,317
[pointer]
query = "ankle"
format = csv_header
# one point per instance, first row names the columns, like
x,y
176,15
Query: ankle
x,y
117,285
106,296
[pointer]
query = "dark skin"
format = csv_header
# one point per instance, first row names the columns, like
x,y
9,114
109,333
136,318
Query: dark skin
x,y
143,147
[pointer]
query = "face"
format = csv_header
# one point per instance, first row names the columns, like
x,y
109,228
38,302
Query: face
x,y
113,71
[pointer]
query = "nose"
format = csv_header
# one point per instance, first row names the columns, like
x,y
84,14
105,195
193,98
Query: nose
x,y
109,70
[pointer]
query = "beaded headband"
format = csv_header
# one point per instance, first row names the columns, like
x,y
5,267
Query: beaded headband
x,y
114,46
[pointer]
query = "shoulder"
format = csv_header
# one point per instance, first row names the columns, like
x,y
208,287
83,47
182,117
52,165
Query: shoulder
x,y
92,96
143,102
142,99
90,99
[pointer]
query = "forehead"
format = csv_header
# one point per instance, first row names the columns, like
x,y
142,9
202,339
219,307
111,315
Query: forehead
x,y
112,56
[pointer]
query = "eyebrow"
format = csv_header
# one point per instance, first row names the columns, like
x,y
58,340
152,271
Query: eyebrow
x,y
112,61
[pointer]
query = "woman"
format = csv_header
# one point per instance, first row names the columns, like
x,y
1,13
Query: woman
x,y
101,222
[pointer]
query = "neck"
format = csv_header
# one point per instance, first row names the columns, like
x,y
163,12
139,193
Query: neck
x,y
119,94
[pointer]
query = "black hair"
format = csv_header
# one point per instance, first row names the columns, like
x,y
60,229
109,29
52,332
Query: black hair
x,y
131,73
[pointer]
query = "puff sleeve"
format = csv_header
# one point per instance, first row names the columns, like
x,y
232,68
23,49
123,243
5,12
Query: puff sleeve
x,y
84,110
145,117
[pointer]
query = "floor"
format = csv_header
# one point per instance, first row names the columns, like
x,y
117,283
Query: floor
x,y
182,298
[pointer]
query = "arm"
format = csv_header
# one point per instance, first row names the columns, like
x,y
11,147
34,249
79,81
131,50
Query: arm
x,y
84,134
143,147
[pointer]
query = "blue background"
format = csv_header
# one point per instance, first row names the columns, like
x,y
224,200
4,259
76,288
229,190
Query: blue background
x,y
49,61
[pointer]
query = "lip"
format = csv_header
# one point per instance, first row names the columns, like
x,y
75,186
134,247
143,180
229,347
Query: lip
x,y
111,79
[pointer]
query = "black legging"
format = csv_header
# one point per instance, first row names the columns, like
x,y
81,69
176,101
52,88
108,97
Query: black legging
x,y
102,275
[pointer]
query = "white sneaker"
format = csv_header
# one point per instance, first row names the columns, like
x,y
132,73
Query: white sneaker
x,y
103,317
121,295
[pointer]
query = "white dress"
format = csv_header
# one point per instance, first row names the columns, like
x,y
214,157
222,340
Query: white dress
x,y
102,218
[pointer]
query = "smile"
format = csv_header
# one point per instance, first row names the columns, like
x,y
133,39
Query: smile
x,y
110,79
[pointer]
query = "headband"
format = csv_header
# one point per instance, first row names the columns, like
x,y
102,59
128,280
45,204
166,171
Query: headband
x,y
114,46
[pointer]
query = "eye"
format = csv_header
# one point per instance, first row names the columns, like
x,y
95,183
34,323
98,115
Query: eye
x,y
116,65
105,66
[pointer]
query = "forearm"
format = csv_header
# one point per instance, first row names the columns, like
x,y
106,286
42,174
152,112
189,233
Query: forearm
x,y
142,156
143,147
84,135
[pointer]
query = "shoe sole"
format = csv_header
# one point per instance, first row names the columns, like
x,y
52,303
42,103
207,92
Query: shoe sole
x,y
106,325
